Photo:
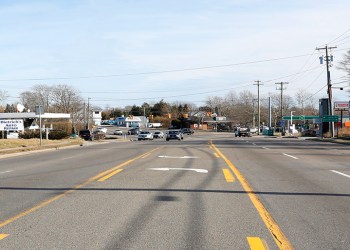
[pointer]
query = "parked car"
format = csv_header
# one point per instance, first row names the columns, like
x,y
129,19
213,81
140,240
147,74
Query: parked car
x,y
158,134
187,131
118,132
145,135
134,131
86,135
174,135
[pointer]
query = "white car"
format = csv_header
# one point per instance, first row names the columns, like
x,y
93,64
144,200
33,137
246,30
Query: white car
x,y
118,132
158,134
100,129
145,135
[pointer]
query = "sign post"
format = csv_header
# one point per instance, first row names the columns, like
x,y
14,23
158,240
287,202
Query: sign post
x,y
341,106
40,111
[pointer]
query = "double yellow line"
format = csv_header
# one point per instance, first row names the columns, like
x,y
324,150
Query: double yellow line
x,y
276,232
100,177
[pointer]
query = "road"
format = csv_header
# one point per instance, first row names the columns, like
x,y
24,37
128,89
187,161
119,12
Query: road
x,y
209,191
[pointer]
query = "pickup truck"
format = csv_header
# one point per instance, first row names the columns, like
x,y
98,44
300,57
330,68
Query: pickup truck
x,y
245,132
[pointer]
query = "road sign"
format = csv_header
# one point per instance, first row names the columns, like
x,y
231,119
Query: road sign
x,y
330,118
301,117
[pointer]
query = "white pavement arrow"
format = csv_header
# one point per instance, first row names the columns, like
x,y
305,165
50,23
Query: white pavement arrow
x,y
198,170
178,157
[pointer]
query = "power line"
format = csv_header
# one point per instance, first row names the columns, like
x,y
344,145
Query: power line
x,y
334,40
156,72
315,93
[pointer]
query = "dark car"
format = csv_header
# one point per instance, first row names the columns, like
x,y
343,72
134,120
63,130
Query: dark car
x,y
134,131
187,131
174,135
86,135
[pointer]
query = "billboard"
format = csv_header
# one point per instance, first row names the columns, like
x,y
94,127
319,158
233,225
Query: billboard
x,y
12,125
341,106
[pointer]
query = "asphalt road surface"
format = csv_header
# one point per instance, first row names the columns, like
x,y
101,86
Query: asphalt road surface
x,y
209,191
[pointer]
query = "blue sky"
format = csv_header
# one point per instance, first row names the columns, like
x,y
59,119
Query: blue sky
x,y
113,51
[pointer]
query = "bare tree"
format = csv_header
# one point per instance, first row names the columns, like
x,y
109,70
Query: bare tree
x,y
3,97
39,95
306,103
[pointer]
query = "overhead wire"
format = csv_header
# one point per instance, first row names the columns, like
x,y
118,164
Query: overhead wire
x,y
156,72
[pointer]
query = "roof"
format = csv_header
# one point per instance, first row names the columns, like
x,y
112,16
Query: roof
x,y
26,115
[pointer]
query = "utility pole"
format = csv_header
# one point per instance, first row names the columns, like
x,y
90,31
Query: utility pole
x,y
281,88
258,83
88,113
328,59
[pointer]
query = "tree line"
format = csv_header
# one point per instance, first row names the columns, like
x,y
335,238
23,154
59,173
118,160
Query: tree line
x,y
240,108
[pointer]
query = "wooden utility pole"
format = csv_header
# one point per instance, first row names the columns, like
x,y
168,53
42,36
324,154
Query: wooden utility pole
x,y
328,59
281,88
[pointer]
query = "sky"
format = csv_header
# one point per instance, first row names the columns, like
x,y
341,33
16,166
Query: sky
x,y
125,52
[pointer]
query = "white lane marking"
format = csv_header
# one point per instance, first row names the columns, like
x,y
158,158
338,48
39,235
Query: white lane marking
x,y
337,172
291,156
265,148
5,172
198,170
177,157
254,144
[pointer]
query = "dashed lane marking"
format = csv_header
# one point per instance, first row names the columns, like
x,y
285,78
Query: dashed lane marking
x,y
228,175
256,243
291,156
337,172
3,236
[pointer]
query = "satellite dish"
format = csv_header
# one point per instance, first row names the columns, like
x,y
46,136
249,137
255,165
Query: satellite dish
x,y
20,107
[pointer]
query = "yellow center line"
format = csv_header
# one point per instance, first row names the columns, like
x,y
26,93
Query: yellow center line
x,y
110,175
228,175
256,243
276,232
216,155
46,202
145,156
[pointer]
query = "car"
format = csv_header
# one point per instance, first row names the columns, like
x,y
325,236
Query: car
x,y
86,135
174,135
118,132
187,131
134,131
145,135
158,134
101,129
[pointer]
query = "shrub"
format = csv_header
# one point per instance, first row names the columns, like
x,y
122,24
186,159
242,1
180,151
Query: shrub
x,y
29,134
58,135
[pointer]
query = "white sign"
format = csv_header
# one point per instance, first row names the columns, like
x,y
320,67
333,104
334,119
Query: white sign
x,y
12,125
341,105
